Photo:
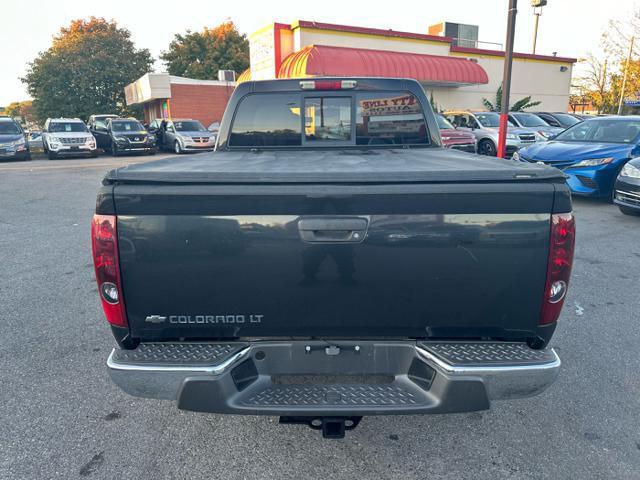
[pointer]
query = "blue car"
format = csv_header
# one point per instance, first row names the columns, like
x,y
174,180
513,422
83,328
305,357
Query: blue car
x,y
591,153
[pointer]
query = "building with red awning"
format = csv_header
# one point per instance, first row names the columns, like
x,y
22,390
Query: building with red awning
x,y
454,71
447,61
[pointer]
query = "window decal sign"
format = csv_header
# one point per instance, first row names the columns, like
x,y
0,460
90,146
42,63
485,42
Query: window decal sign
x,y
402,105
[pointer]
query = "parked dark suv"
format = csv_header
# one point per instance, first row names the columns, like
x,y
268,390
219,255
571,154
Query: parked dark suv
x,y
559,119
100,120
124,135
13,140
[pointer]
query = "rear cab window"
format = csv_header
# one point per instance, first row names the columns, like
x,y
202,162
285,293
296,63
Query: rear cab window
x,y
328,119
267,120
390,119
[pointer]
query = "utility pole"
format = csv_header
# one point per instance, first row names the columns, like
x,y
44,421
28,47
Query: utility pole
x,y
624,78
536,13
506,77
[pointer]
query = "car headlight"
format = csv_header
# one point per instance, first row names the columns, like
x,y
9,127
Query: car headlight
x,y
515,156
544,134
121,139
630,171
17,143
152,138
592,162
185,138
512,136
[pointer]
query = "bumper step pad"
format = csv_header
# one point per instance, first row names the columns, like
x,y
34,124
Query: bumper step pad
x,y
347,378
488,353
174,354
336,395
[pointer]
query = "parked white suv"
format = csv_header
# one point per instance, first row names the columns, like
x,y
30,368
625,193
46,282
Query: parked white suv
x,y
67,137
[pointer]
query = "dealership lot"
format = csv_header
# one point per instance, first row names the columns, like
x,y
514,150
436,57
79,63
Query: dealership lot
x,y
63,418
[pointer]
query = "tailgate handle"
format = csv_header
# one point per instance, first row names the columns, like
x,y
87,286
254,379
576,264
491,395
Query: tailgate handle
x,y
333,229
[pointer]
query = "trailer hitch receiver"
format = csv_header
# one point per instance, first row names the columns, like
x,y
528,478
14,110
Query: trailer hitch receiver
x,y
331,427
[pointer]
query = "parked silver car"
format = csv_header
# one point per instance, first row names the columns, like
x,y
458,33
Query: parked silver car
x,y
535,124
182,135
484,125
67,137
35,140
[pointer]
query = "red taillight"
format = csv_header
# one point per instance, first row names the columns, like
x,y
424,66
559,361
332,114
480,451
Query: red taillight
x,y
563,234
104,241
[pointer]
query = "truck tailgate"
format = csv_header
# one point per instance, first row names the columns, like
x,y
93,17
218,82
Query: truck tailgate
x,y
426,260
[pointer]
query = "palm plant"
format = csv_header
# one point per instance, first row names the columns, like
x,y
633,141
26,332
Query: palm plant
x,y
518,106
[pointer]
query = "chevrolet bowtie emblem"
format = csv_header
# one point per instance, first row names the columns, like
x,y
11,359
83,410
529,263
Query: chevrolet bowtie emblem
x,y
155,319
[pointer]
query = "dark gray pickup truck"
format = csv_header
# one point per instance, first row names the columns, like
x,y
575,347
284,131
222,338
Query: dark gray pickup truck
x,y
331,260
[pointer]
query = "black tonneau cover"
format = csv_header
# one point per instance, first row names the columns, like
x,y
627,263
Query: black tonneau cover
x,y
334,166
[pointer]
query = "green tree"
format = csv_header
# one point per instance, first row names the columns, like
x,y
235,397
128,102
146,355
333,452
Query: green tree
x,y
85,70
202,54
516,106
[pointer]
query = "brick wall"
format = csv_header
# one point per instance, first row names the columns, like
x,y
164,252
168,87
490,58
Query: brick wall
x,y
201,102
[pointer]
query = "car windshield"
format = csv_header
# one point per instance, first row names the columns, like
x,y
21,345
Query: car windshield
x,y
443,123
566,119
126,126
490,120
602,130
9,128
61,127
189,126
530,120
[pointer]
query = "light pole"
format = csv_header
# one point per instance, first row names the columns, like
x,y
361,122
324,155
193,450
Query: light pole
x,y
506,78
537,11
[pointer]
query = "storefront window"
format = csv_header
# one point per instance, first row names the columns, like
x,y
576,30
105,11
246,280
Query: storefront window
x,y
327,119
267,121
389,119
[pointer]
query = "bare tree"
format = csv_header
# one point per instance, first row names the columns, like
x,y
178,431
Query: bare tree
x,y
601,82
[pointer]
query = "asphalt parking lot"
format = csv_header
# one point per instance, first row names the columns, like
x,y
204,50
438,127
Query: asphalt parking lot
x,y
63,418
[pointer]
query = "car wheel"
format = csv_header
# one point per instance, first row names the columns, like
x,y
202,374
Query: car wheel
x,y
177,148
51,155
487,147
114,149
629,211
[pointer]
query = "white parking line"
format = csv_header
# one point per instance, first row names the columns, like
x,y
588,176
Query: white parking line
x,y
62,165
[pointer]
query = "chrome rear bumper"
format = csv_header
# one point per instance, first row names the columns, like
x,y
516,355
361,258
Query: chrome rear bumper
x,y
344,378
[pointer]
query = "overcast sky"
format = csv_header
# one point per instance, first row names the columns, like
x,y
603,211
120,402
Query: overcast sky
x,y
570,27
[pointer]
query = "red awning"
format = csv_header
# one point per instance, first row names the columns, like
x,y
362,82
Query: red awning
x,y
321,60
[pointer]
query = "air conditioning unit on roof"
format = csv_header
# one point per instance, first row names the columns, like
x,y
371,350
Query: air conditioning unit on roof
x,y
226,75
